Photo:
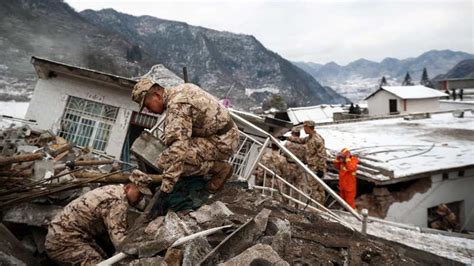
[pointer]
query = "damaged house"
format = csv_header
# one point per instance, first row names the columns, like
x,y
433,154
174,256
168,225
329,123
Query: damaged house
x,y
409,167
87,107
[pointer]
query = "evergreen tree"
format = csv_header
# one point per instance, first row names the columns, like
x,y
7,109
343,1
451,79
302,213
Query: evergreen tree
x,y
407,81
425,80
274,101
383,82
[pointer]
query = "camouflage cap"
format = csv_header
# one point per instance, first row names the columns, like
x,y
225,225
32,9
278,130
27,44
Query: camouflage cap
x,y
140,90
308,123
141,180
295,130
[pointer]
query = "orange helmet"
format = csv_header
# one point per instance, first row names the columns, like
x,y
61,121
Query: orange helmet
x,y
345,152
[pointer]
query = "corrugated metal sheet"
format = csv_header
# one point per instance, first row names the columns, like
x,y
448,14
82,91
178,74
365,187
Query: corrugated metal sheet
x,y
318,113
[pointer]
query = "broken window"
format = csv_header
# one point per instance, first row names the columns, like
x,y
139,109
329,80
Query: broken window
x,y
446,216
87,123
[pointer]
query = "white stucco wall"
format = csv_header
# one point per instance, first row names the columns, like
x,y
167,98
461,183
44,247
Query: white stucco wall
x,y
379,104
421,105
456,188
50,98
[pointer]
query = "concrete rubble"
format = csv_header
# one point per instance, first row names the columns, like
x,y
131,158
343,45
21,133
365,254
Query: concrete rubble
x,y
40,172
263,232
260,229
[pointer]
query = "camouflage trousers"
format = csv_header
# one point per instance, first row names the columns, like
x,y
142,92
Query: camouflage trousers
x,y
73,250
199,156
317,191
297,177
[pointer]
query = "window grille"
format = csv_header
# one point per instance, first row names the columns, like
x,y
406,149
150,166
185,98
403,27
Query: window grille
x,y
87,123
143,120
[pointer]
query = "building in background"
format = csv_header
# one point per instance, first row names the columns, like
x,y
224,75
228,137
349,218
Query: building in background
x,y
390,100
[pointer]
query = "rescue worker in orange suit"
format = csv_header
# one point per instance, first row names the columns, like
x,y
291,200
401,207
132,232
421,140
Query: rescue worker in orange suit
x,y
347,166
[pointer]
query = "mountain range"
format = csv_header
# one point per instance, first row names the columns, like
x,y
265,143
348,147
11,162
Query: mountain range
x,y
359,78
228,65
463,69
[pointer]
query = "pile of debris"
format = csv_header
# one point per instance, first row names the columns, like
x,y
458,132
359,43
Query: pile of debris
x,y
254,229
36,164
40,173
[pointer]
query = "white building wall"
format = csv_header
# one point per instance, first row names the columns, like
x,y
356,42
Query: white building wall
x,y
379,103
50,98
456,188
422,105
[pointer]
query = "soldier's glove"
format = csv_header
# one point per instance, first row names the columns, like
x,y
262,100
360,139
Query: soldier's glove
x,y
160,206
320,174
282,138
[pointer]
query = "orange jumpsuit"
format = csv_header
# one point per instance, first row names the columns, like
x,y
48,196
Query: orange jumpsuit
x,y
347,178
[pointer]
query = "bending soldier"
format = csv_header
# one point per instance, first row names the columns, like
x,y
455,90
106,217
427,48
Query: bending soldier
x,y
199,134
72,233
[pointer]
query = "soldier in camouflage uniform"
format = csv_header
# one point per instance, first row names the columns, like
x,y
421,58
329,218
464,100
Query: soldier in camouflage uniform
x,y
296,175
315,158
72,233
199,134
273,160
445,219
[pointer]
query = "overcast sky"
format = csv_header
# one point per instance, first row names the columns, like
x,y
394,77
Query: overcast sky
x,y
325,30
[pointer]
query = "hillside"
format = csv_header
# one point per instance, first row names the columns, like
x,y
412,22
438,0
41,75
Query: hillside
x,y
227,65
52,29
464,69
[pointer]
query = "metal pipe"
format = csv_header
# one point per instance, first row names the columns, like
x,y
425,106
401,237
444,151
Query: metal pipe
x,y
290,198
250,137
335,217
301,164
198,234
365,215
301,192
259,156
315,177
114,259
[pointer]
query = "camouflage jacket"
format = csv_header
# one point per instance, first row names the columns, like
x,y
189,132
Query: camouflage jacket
x,y
275,161
105,206
297,149
192,112
315,151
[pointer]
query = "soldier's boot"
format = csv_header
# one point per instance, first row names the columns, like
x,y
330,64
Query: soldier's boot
x,y
220,172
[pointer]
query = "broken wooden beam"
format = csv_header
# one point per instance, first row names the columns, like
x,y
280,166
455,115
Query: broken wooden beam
x,y
61,149
5,160
62,166
16,173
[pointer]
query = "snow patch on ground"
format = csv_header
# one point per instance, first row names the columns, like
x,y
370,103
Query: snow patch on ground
x,y
455,248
